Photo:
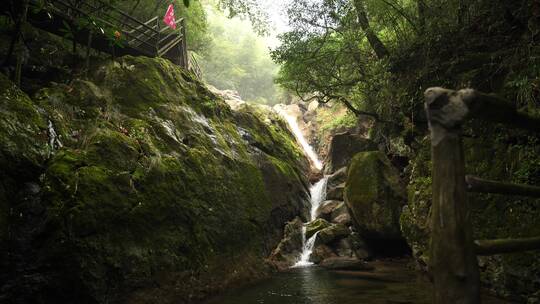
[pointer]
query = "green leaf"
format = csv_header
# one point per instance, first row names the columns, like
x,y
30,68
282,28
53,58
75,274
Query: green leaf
x,y
186,3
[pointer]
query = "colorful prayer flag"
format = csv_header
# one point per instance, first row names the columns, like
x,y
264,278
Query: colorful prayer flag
x,y
169,17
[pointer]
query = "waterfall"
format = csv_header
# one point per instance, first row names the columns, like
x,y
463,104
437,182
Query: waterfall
x,y
54,141
293,124
318,195
317,191
306,250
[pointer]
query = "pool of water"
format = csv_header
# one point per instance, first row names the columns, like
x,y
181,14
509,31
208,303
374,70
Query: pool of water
x,y
390,283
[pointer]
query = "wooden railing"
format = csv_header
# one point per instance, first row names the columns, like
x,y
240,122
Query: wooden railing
x,y
134,37
195,67
453,251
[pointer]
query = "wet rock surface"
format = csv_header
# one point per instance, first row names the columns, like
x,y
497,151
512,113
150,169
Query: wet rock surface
x,y
343,147
316,226
338,177
290,247
326,209
336,193
332,233
148,180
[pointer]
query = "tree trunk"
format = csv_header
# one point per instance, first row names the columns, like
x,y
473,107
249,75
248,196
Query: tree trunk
x,y
15,36
20,54
374,41
462,12
88,49
421,15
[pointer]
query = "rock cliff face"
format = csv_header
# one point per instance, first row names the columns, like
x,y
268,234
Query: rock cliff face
x,y
139,185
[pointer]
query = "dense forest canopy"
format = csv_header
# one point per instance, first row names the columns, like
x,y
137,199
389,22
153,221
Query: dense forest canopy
x,y
349,50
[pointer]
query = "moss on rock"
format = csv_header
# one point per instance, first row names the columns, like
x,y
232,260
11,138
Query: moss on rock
x,y
157,182
316,226
332,233
374,196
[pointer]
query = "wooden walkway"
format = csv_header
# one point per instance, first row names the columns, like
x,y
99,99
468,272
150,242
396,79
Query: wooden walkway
x,y
103,27
453,252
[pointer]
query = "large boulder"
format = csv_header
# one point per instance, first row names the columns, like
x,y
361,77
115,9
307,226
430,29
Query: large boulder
x,y
290,247
332,233
326,209
142,180
340,215
316,226
336,193
337,178
321,252
342,149
374,196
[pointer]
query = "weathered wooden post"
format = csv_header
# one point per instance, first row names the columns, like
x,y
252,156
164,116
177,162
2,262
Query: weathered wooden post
x,y
452,258
158,37
184,60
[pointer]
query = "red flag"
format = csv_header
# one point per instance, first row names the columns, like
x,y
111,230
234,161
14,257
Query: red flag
x,y
169,17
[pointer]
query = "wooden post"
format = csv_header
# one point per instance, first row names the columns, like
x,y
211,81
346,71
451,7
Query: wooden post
x,y
184,61
453,261
158,36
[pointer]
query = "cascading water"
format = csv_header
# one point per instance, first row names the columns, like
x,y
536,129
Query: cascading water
x,y
293,124
318,195
317,191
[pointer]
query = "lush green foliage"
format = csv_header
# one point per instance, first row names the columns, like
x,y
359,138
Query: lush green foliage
x,y
329,54
194,15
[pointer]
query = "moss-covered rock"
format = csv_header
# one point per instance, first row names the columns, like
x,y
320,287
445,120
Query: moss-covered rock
x,y
332,233
23,149
316,226
374,196
158,190
23,131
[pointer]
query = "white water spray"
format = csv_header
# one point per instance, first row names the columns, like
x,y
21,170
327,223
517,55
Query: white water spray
x,y
317,191
301,139
307,250
318,195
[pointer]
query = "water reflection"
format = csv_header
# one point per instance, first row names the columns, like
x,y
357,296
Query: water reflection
x,y
313,285
391,283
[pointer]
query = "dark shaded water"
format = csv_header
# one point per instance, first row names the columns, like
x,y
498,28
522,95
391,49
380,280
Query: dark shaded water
x,y
391,283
